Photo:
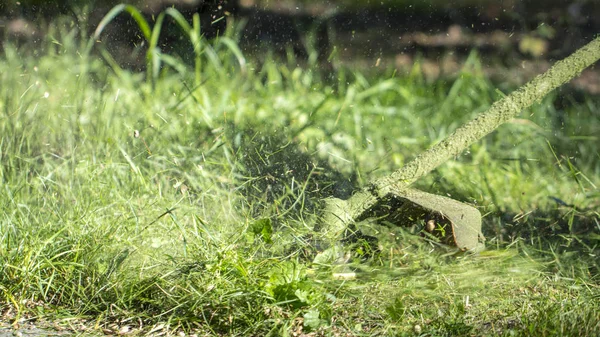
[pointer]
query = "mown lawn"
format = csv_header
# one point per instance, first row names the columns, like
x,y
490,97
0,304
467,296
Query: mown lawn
x,y
186,204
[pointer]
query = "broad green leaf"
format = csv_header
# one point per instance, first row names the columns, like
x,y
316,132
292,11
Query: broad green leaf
x,y
312,320
264,229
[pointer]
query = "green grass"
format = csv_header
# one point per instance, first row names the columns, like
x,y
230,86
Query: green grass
x,y
172,205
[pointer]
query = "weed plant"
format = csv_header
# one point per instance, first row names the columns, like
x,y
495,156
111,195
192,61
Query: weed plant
x,y
184,200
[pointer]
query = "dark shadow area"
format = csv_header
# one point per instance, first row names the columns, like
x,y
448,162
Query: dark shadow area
x,y
278,176
550,29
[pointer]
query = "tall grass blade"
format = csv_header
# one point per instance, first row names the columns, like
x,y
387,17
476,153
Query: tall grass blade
x,y
180,19
235,49
153,58
135,14
194,33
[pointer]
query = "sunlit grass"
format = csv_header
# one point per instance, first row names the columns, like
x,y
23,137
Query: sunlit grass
x,y
148,204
